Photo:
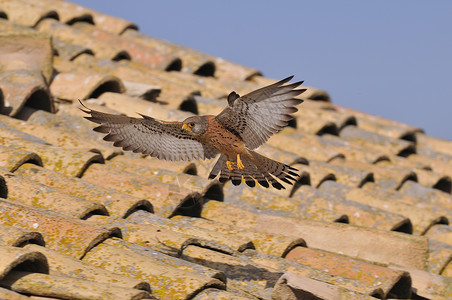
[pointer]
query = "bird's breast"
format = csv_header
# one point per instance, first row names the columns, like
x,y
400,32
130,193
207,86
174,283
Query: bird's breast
x,y
218,137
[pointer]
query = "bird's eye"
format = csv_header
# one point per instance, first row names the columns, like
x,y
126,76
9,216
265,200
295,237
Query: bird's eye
x,y
191,124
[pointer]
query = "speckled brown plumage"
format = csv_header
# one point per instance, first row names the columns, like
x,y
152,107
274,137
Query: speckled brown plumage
x,y
244,125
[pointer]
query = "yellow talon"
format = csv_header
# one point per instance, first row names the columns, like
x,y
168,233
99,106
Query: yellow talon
x,y
240,165
230,165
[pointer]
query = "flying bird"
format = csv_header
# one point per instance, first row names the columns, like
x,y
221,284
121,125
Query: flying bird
x,y
246,123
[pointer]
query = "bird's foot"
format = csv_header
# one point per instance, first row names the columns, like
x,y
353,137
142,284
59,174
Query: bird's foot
x,y
230,165
240,165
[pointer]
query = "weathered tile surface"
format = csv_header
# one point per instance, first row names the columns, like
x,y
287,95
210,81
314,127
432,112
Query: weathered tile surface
x,y
369,216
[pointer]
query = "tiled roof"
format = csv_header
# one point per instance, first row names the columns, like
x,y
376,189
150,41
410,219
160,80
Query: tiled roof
x,y
79,219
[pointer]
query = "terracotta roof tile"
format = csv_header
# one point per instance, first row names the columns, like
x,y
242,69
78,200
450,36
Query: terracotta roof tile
x,y
27,13
390,283
274,244
71,34
233,243
194,61
29,192
371,192
211,293
117,204
68,12
440,256
24,75
166,280
58,230
293,286
428,195
60,264
136,52
68,161
8,294
68,51
67,287
426,284
422,218
382,126
26,260
12,159
346,279
165,198
17,237
441,233
368,139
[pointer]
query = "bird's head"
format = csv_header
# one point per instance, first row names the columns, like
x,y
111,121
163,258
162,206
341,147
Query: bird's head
x,y
195,125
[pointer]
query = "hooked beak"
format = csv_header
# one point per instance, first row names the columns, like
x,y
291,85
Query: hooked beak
x,y
185,127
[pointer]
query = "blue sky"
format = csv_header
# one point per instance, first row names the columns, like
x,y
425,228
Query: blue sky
x,y
387,58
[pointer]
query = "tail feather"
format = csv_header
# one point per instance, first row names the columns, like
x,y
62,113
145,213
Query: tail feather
x,y
257,168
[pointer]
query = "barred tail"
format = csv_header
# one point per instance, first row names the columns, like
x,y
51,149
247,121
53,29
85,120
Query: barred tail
x,y
257,168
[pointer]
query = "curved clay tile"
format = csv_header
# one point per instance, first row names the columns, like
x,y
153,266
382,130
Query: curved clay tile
x,y
274,244
71,162
32,193
440,257
69,51
18,237
343,174
441,233
214,293
11,159
26,64
233,243
292,285
165,198
335,237
307,146
389,177
174,90
309,202
189,182
426,284
73,86
367,139
61,264
72,35
142,91
59,137
68,12
24,88
192,60
112,24
61,233
383,126
348,150
27,13
428,195
167,281
421,218
136,51
39,284
390,282
118,205
434,143
26,260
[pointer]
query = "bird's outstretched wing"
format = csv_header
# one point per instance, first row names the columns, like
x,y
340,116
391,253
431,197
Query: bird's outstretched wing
x,y
261,113
164,140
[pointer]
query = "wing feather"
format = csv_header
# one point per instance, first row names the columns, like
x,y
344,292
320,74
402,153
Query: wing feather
x,y
258,115
161,139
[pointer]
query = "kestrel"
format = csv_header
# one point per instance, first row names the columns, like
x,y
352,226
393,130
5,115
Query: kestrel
x,y
244,125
